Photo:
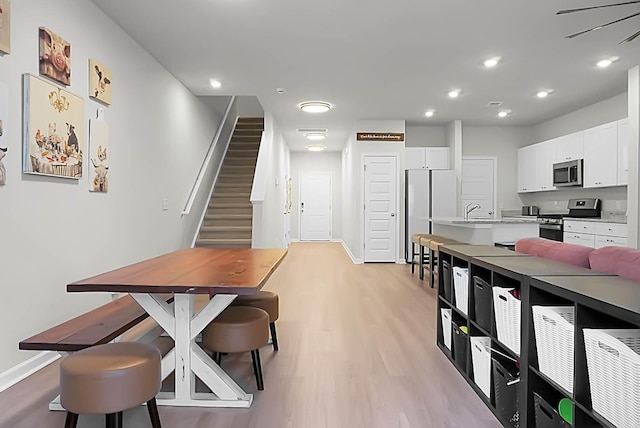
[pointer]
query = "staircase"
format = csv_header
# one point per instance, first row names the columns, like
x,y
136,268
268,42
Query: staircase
x,y
227,222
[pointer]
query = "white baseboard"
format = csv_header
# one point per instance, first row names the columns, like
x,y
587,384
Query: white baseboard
x,y
401,262
26,368
353,259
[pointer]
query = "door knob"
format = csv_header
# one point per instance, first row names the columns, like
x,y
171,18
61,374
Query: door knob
x,y
393,214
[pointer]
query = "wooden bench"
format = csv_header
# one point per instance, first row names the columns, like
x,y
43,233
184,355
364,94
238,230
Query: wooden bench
x,y
98,326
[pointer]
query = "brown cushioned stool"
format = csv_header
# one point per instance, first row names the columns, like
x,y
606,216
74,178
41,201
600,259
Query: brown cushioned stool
x,y
424,241
239,329
107,379
434,254
268,301
415,240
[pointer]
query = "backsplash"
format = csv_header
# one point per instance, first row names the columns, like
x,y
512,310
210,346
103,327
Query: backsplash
x,y
614,200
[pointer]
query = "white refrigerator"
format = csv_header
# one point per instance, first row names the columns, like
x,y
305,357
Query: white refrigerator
x,y
427,193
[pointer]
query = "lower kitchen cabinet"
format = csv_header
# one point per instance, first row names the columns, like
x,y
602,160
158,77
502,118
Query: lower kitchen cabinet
x,y
595,234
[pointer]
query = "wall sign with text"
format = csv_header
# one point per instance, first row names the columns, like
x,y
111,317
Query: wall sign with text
x,y
380,136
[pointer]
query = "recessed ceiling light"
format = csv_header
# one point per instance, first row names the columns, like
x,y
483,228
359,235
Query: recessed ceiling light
x,y
454,93
492,62
215,83
315,107
430,113
542,94
604,63
280,91
504,113
316,147
315,135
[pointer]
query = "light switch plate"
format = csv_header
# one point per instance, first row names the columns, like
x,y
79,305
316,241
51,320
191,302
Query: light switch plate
x,y
165,204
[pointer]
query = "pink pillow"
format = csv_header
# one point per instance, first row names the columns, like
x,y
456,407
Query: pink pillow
x,y
622,261
573,254
535,246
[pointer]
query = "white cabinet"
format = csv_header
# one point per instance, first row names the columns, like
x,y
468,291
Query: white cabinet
x,y
426,157
570,147
535,167
595,234
623,152
601,156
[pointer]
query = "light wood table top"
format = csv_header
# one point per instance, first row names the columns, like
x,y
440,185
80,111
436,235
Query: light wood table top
x,y
468,250
191,271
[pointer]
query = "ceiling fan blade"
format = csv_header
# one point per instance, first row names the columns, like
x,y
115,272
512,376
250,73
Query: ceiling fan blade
x,y
602,26
630,38
582,9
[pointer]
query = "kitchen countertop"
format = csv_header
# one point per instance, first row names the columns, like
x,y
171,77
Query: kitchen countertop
x,y
597,220
504,220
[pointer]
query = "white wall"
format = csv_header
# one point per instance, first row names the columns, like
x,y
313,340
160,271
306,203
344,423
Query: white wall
x,y
353,214
316,162
270,223
54,230
425,136
502,143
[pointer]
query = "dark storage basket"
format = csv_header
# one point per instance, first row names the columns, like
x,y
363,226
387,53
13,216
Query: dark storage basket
x,y
482,296
506,394
546,415
446,280
460,346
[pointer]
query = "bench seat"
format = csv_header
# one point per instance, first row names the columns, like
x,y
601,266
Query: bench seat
x,y
96,327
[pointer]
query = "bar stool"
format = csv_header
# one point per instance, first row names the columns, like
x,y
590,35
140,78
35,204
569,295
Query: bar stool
x,y
238,329
425,240
434,254
108,379
415,240
268,301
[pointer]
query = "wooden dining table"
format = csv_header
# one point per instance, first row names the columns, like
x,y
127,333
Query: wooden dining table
x,y
223,273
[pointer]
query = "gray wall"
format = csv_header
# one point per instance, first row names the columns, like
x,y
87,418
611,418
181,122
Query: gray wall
x,y
425,136
54,231
502,143
325,162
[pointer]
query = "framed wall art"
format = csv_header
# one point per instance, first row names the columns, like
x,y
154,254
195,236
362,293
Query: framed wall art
x,y
4,112
99,155
100,81
5,26
53,131
55,56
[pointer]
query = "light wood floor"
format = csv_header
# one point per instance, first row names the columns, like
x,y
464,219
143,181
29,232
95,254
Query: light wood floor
x,y
357,350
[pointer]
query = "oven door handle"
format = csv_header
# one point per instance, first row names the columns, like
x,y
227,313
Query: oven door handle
x,y
551,226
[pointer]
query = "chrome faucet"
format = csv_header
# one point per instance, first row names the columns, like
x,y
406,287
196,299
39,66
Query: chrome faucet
x,y
468,208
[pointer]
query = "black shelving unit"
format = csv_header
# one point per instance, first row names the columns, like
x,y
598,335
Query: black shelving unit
x,y
600,301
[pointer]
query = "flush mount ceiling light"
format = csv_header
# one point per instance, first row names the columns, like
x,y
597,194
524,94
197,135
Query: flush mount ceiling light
x,y
454,93
504,113
598,27
315,107
492,62
604,63
280,90
315,136
316,147
544,93
430,113
215,83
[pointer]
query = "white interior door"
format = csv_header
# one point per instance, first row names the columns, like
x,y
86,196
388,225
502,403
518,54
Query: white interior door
x,y
315,207
380,202
478,185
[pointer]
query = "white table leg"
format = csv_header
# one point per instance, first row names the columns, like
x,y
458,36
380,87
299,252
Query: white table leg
x,y
187,358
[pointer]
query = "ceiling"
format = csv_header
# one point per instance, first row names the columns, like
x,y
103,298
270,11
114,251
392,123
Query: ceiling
x,y
381,59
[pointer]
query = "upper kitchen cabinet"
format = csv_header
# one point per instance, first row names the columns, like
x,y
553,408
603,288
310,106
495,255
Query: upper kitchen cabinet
x,y
570,147
527,174
535,167
426,158
623,152
601,156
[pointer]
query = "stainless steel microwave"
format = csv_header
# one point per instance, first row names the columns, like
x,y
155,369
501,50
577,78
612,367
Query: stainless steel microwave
x,y
567,173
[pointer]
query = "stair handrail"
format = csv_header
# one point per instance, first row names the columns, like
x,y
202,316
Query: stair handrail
x,y
205,164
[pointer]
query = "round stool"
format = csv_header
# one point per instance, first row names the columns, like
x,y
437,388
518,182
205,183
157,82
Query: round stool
x,y
108,379
268,301
239,329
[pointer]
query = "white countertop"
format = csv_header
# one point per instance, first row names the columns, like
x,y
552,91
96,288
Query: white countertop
x,y
598,220
504,220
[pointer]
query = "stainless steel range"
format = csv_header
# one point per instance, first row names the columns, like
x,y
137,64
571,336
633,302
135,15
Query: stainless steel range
x,y
552,225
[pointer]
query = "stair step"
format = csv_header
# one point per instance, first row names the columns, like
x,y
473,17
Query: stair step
x,y
251,119
229,220
241,152
231,193
240,161
213,242
229,205
238,169
233,185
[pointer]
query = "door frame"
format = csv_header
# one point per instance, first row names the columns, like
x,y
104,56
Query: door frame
x,y
363,156
330,204
495,181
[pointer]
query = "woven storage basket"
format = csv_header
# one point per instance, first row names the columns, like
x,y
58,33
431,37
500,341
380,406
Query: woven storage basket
x,y
481,359
613,363
554,329
507,313
461,288
446,327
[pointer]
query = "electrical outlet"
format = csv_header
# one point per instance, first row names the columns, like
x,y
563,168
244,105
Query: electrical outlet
x,y
165,204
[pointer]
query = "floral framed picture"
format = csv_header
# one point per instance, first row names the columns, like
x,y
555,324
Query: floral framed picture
x,y
53,130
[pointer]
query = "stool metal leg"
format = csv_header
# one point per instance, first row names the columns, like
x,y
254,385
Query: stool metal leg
x,y
152,407
118,420
421,265
274,336
71,421
413,257
257,368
